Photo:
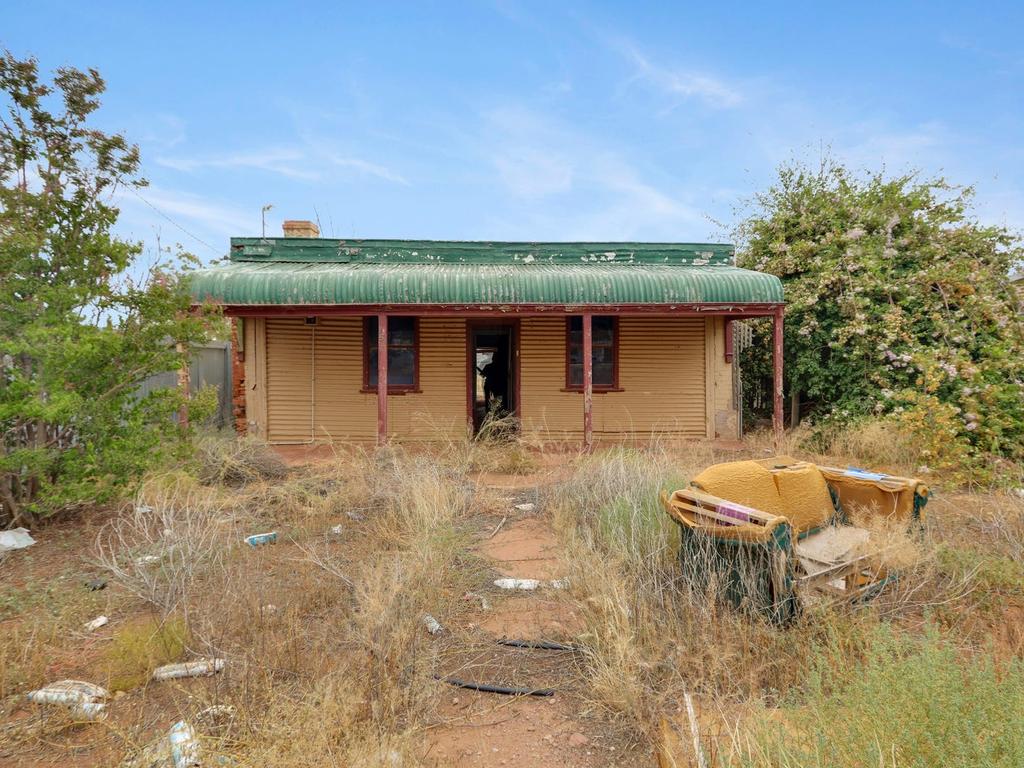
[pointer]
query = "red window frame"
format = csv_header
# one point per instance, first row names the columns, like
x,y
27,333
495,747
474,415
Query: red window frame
x,y
370,340
614,386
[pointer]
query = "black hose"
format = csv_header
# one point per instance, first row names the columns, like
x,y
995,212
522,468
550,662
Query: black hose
x,y
488,688
542,645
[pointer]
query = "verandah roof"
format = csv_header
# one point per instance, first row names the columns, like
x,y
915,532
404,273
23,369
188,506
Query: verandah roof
x,y
300,271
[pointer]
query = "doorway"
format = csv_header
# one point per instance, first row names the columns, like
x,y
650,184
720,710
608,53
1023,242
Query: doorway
x,y
493,372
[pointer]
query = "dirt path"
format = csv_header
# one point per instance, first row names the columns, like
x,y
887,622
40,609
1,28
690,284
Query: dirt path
x,y
484,729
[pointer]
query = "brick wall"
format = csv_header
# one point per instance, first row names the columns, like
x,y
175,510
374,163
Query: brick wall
x,y
237,380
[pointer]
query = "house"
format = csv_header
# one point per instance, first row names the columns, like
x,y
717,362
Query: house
x,y
578,341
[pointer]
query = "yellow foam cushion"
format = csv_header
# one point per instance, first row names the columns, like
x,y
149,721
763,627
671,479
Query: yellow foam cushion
x,y
805,497
742,482
888,498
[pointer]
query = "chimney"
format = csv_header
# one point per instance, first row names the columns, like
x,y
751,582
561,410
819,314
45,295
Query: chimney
x,y
295,228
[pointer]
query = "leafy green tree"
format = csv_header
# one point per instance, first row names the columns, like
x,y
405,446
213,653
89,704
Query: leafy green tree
x,y
899,305
77,333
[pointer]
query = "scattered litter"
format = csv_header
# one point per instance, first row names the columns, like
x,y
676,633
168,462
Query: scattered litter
x,y
269,608
95,585
530,584
17,538
179,748
99,621
85,700
148,559
184,745
1019,492
337,530
485,604
504,689
694,731
517,583
198,668
259,539
355,516
143,509
527,507
433,625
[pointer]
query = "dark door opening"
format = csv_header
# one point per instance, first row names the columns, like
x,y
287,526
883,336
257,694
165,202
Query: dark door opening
x,y
492,377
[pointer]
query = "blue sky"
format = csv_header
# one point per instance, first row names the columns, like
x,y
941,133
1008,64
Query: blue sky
x,y
531,121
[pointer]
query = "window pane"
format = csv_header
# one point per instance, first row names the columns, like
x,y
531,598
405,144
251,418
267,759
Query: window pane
x,y
575,355
603,355
576,323
401,367
401,330
604,330
576,375
604,375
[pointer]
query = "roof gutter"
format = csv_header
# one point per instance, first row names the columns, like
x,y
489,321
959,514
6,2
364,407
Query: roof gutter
x,y
703,309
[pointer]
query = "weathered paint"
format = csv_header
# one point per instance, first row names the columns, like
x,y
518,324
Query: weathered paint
x,y
304,249
492,311
362,284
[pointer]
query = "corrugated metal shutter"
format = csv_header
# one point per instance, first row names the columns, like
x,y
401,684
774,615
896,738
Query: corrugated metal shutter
x,y
341,411
661,372
289,380
439,411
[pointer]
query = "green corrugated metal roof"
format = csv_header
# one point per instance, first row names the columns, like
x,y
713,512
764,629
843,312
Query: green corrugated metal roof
x,y
475,252
290,283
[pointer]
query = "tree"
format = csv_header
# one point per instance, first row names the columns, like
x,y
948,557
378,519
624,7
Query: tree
x,y
77,333
899,305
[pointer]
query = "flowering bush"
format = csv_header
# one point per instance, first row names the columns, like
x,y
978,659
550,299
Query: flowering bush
x,y
899,306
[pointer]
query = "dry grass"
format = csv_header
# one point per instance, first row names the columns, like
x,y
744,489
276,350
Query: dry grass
x,y
328,659
652,636
172,534
329,662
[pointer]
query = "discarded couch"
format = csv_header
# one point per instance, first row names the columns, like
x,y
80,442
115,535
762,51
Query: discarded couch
x,y
763,533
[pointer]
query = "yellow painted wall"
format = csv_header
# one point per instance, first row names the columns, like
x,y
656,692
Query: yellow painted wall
x,y
662,369
672,371
315,373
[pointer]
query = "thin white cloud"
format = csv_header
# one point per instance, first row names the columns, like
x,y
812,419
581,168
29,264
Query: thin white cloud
x,y
534,171
369,169
183,215
590,190
284,161
680,82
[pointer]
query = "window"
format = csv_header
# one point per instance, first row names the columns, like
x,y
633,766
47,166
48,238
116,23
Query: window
x,y
605,357
403,354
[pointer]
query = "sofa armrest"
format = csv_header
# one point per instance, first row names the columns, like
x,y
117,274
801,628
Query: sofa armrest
x,y
696,508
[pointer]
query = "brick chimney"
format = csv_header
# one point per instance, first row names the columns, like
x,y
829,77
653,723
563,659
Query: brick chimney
x,y
297,228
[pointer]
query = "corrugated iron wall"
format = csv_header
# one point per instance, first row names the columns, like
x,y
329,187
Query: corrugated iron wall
x,y
662,374
315,377
289,380
668,371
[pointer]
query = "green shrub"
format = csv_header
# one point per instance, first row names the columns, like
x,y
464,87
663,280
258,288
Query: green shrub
x,y
141,646
909,702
